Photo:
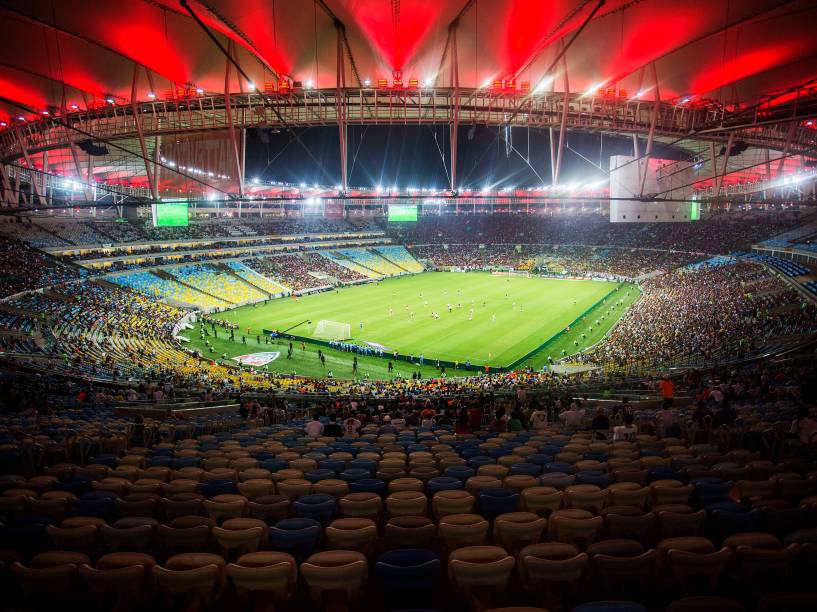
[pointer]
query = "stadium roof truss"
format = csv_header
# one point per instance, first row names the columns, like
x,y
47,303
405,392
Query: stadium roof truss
x,y
135,78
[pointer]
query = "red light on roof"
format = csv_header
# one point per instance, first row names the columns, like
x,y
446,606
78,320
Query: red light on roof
x,y
622,93
525,86
510,85
283,85
397,84
269,87
497,85
382,83
169,94
414,83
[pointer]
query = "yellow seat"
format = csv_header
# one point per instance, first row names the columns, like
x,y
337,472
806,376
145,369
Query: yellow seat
x,y
352,534
265,573
459,530
480,573
515,530
410,532
256,488
335,574
451,502
541,500
407,503
362,505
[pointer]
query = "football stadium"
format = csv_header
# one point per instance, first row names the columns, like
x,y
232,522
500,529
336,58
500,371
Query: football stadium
x,y
408,305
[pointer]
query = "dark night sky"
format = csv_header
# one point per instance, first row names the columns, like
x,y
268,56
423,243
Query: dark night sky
x,y
409,156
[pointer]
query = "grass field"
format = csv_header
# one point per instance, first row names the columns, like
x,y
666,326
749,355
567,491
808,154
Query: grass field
x,y
512,316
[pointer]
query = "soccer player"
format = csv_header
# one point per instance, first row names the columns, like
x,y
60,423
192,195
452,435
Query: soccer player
x,y
391,312
361,325
493,318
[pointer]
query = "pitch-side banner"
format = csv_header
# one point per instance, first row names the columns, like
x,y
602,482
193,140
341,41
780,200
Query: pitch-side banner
x,y
257,359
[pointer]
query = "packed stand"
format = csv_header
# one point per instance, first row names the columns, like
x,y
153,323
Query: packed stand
x,y
22,268
708,313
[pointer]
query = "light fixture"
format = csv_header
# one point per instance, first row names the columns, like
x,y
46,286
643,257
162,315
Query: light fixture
x,y
309,84
250,85
255,180
74,107
110,100
367,83
199,90
151,95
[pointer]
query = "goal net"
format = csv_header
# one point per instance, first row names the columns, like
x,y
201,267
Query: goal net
x,y
332,330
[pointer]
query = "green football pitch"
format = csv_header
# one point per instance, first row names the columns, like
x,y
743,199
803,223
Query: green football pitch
x,y
494,320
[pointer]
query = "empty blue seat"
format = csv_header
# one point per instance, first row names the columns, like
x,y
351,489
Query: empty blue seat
x,y
108,460
159,461
273,465
600,479
318,475
297,536
493,502
461,472
540,459
101,508
368,485
408,576
728,522
526,469
364,464
319,507
100,495
559,466
183,462
711,492
355,474
659,474
480,460
336,465
443,483
216,487
77,485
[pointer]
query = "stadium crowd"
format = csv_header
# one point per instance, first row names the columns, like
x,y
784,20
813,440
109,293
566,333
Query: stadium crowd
x,y
707,313
23,268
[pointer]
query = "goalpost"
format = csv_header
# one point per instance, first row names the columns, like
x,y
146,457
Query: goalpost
x,y
332,330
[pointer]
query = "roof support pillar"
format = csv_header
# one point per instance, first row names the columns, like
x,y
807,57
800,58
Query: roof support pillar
x,y
722,173
137,120
35,188
563,125
651,134
455,115
78,169
239,170
340,108
786,147
9,196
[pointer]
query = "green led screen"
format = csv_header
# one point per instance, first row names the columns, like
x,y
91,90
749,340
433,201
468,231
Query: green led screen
x,y
402,212
695,211
170,214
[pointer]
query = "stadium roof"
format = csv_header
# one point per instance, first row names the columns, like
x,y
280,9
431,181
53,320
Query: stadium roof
x,y
62,52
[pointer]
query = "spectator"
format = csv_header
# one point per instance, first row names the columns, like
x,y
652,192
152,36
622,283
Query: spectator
x,y
314,428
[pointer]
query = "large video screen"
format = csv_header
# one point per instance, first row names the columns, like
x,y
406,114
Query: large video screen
x,y
170,214
402,212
